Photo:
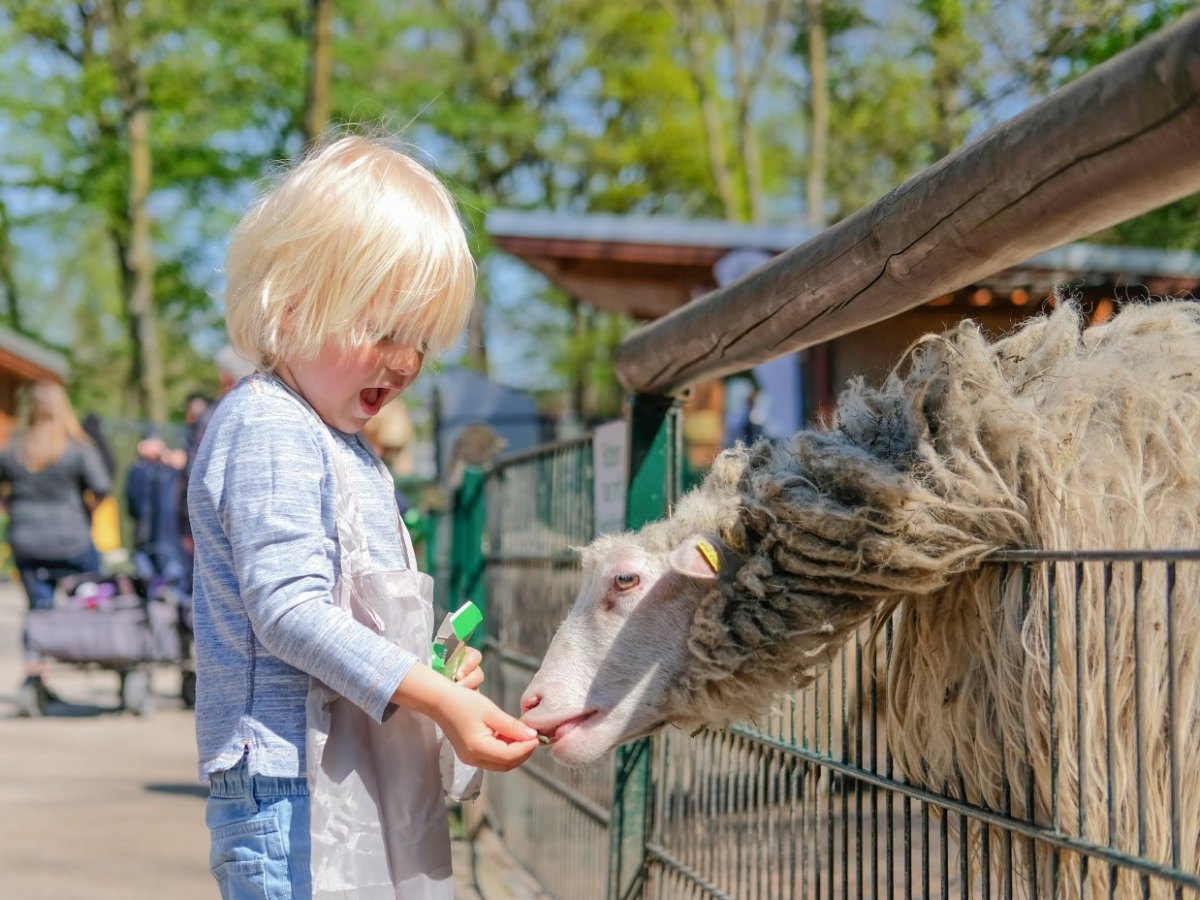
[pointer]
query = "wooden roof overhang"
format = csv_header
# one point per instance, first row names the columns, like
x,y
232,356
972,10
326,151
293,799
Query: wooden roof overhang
x,y
641,280
647,267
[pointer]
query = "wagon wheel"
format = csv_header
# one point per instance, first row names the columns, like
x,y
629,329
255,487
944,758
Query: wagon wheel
x,y
135,692
32,699
187,688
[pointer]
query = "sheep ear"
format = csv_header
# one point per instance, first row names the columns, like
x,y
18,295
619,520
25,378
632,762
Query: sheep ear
x,y
696,557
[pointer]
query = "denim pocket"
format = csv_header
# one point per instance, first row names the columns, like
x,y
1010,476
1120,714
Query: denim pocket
x,y
248,857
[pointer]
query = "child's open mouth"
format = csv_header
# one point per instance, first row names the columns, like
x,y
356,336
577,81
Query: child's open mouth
x,y
372,399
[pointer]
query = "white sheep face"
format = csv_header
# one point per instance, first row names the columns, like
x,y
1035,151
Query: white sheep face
x,y
608,673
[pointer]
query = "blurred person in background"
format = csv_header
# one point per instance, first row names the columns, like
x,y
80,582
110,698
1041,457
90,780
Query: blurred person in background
x,y
152,488
49,474
106,516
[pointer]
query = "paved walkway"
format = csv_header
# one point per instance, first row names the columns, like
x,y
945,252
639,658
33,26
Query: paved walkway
x,y
96,804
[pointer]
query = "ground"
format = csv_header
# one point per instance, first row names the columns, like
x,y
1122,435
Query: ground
x,y
104,805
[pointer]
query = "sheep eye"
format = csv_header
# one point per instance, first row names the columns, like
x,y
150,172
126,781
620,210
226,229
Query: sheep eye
x,y
625,581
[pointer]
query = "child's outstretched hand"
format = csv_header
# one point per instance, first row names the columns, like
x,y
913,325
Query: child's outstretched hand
x,y
481,733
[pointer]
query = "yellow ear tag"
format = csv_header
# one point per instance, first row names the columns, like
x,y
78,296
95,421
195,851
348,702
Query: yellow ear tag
x,y
710,556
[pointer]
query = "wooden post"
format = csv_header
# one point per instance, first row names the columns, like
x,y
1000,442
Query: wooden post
x,y
1119,141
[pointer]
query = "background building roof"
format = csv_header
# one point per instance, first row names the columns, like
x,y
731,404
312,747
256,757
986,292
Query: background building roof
x,y
646,266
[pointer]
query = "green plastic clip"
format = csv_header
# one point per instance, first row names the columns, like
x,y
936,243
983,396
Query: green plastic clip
x,y
450,641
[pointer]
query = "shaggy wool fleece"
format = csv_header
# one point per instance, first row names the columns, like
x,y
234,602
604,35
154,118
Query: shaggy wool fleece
x,y
1056,437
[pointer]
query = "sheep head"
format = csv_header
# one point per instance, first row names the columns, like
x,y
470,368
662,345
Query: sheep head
x,y
611,671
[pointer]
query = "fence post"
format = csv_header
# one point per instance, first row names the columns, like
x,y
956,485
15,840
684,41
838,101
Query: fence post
x,y
654,481
467,550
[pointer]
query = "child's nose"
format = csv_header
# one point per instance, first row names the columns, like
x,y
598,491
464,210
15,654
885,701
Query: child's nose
x,y
406,361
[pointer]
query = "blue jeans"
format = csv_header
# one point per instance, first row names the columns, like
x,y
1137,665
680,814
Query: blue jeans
x,y
41,576
259,824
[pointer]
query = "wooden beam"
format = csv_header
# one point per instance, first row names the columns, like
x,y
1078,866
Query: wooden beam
x,y
1119,141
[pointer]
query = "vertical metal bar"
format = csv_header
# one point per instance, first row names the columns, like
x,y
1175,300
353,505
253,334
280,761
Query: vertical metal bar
x,y
925,850
704,776
944,852
1139,688
735,808
860,702
985,860
808,797
875,650
762,845
794,798
1030,798
828,780
1006,836
1138,699
843,781
889,768
1109,714
964,839
661,784
1080,726
1051,700
908,848
726,800
1173,710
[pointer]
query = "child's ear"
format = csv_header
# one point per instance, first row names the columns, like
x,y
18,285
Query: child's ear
x,y
697,557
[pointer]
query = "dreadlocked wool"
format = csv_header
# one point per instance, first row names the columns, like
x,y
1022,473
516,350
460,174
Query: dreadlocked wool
x,y
1051,696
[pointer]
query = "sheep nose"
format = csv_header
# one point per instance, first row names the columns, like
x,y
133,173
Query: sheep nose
x,y
529,701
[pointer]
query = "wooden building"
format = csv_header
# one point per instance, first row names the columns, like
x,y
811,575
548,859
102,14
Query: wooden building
x,y
23,361
646,267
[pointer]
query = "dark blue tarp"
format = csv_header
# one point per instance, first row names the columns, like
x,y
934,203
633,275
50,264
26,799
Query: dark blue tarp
x,y
465,398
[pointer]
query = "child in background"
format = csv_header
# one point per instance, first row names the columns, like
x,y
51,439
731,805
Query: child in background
x,y
340,281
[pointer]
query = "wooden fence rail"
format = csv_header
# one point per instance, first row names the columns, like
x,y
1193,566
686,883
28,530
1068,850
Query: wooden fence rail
x,y
1120,141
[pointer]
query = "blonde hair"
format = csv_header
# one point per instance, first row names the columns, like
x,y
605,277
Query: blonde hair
x,y
50,424
356,242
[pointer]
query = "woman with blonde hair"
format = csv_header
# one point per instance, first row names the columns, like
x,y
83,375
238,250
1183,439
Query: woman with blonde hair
x,y
49,472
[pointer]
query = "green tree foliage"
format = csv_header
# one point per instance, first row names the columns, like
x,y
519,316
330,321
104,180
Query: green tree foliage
x,y
216,78
685,107
1081,35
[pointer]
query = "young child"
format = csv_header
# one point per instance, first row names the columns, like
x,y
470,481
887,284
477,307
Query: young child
x,y
340,281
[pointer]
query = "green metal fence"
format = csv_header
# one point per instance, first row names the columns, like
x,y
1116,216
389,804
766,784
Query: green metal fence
x,y
810,804
555,821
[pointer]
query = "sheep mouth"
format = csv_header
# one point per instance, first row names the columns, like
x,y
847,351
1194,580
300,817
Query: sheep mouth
x,y
562,729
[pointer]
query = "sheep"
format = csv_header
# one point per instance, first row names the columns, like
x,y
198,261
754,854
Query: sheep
x,y
1057,436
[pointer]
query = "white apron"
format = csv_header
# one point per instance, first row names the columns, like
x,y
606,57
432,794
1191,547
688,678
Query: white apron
x,y
379,826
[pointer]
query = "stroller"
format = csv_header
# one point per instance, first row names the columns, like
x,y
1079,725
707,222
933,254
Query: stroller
x,y
122,622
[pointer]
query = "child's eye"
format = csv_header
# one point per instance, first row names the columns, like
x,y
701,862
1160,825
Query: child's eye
x,y
398,339
625,581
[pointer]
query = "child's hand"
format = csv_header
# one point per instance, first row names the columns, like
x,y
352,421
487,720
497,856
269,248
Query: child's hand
x,y
481,733
470,674
484,735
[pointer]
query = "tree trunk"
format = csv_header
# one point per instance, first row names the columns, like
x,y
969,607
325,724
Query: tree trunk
x,y
752,33
948,46
137,258
8,281
477,354
320,70
818,72
710,115
579,375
